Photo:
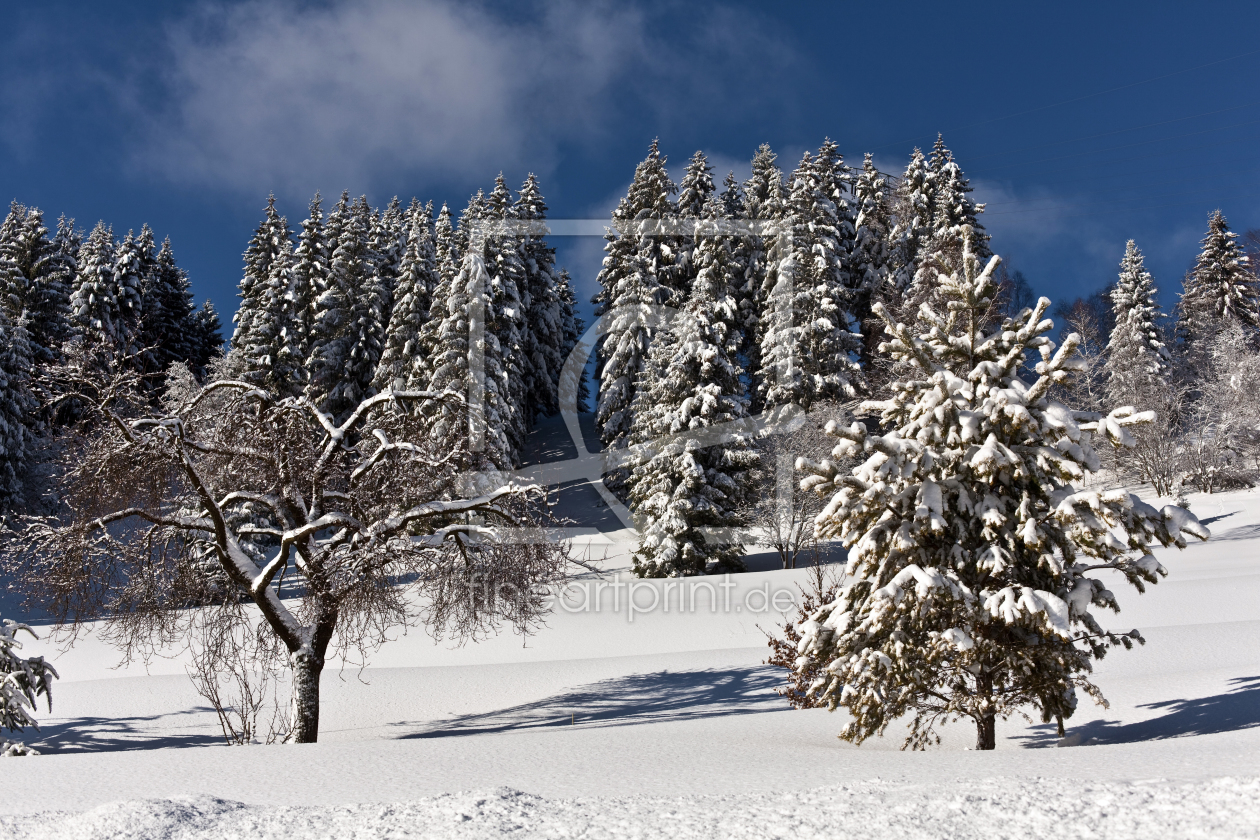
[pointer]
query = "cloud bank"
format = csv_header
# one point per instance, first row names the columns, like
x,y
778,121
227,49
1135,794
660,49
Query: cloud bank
x,y
277,95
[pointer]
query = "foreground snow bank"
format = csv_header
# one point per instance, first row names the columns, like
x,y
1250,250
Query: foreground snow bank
x,y
990,808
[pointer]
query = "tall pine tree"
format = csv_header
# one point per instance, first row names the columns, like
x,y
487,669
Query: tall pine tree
x,y
688,490
808,351
1137,363
638,274
1221,289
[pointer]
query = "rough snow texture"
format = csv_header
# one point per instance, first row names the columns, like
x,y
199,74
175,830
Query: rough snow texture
x,y
990,808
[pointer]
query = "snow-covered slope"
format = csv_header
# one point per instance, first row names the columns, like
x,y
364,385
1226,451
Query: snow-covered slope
x,y
675,711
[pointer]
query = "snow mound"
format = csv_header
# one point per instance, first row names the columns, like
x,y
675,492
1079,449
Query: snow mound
x,y
990,808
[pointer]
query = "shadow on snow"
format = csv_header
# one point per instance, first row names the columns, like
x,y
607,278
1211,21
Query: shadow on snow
x,y
1229,712
638,698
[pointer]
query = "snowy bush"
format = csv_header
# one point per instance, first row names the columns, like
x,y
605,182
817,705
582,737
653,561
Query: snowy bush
x,y
22,681
969,590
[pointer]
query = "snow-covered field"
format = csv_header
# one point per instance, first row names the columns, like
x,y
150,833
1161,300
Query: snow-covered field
x,y
610,723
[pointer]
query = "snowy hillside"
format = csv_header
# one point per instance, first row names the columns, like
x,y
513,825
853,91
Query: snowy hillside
x,y
644,722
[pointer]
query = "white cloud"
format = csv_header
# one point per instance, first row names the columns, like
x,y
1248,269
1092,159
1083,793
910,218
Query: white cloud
x,y
275,95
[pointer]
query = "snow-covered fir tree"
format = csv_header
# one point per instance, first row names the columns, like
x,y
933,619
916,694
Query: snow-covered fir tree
x,y
953,211
546,343
23,679
417,279
308,274
17,405
128,281
973,547
764,205
913,205
869,260
505,260
205,338
744,287
808,350
467,359
93,306
446,256
638,275
166,304
694,191
1220,290
1137,363
346,328
35,278
256,319
691,477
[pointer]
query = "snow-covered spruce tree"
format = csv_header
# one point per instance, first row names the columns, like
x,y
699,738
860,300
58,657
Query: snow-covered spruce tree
x,y
127,288
467,360
34,280
205,338
546,318
694,191
417,278
869,260
22,680
953,211
744,286
764,204
1220,290
362,512
913,205
637,276
257,320
309,273
969,590
808,352
446,254
17,406
167,307
347,327
93,306
1137,363
690,477
505,259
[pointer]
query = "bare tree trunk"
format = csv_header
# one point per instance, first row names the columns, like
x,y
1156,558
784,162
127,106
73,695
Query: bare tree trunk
x,y
986,722
304,716
986,732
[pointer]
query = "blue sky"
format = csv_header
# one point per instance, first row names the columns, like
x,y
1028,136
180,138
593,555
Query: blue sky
x,y
1082,124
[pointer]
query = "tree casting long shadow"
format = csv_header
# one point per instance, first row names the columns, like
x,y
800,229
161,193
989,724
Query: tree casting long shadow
x,y
1229,712
633,699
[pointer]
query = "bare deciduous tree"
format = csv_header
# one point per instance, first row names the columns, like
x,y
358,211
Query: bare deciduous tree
x,y
175,514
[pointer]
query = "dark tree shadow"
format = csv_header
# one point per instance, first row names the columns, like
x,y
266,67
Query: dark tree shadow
x,y
1229,712
635,699
1212,519
101,734
1243,532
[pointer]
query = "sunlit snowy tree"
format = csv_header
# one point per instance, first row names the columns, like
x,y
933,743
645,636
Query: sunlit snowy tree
x,y
1137,363
689,476
974,547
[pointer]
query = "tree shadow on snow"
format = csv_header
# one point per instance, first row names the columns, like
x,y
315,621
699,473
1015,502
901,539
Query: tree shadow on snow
x,y
1229,712
101,734
634,699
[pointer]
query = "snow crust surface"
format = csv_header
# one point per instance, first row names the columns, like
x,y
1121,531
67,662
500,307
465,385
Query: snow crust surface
x,y
599,726
986,808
